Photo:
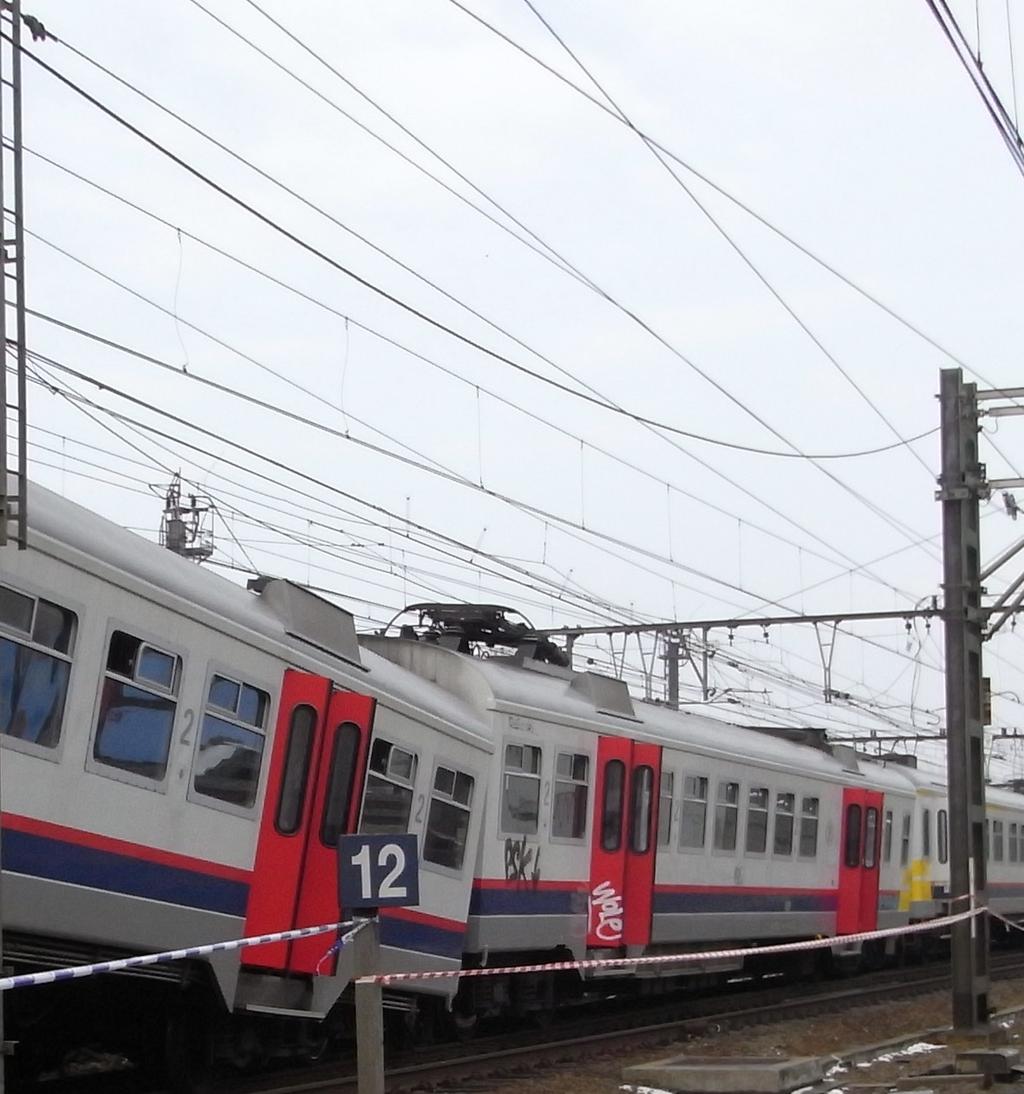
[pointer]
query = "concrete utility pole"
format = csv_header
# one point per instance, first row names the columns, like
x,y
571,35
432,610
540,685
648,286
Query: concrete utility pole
x,y
962,484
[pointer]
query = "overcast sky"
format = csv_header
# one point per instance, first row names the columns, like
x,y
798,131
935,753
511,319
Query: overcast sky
x,y
850,127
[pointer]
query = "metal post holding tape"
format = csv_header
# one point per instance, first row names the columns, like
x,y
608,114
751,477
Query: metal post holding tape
x,y
369,1008
374,872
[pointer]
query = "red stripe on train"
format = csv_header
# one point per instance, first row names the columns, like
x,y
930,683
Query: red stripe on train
x,y
411,915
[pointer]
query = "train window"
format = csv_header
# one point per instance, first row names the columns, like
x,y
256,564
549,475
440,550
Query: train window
x,y
757,820
642,799
296,770
851,841
808,828
785,808
870,838
727,808
693,827
36,640
942,836
665,796
926,833
230,754
16,610
1012,844
612,805
887,837
569,808
905,839
997,841
137,707
340,781
520,798
387,802
448,819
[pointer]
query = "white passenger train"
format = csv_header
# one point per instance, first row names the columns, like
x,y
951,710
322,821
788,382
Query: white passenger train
x,y
181,755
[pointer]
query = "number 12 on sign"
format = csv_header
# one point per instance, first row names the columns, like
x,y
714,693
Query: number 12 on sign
x,y
377,871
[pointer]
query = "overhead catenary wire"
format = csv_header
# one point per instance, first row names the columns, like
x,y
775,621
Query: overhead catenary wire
x,y
739,203
703,463
658,150
730,239
1004,123
418,313
451,477
261,500
402,525
682,491
534,242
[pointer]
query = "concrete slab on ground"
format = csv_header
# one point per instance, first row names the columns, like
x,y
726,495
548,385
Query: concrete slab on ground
x,y
726,1074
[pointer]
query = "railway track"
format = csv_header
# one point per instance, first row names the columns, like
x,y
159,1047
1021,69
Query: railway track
x,y
503,1058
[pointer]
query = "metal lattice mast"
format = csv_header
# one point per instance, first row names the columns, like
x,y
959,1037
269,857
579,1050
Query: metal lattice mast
x,y
962,485
13,446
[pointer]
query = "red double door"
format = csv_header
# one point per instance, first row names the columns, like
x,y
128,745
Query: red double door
x,y
857,907
624,842
317,766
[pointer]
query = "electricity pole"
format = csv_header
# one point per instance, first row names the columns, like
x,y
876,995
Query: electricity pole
x,y
961,485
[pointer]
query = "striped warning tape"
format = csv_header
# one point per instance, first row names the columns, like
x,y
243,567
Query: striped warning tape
x,y
676,958
78,972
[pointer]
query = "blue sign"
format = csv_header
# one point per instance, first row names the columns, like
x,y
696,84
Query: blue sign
x,y
378,871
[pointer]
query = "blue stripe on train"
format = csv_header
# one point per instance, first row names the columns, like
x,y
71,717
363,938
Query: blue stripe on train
x,y
528,902
57,860
667,902
406,934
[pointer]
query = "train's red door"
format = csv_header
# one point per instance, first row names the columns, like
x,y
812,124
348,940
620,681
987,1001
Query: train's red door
x,y
642,843
335,813
857,907
623,843
316,766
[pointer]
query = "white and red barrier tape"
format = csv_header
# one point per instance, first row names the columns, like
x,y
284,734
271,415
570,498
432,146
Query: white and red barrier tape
x,y
677,958
78,972
81,971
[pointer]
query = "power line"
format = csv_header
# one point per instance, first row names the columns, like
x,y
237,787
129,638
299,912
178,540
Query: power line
x,y
251,453
399,345
973,66
717,224
535,243
276,226
465,339
447,476
739,203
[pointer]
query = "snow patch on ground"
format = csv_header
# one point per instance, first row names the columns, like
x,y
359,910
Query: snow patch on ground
x,y
915,1049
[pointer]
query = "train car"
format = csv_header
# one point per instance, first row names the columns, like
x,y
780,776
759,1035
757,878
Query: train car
x,y
927,889
180,755
614,827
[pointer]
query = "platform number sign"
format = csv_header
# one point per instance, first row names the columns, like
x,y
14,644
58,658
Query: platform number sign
x,y
378,871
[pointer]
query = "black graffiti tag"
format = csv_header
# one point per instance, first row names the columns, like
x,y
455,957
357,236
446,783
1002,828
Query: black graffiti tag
x,y
518,861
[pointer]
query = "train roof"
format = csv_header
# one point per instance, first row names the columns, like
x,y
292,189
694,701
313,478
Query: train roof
x,y
281,617
548,693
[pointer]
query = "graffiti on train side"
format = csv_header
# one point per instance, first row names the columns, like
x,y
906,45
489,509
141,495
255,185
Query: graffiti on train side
x,y
522,863
606,907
